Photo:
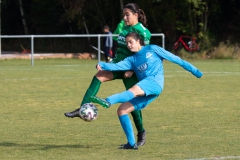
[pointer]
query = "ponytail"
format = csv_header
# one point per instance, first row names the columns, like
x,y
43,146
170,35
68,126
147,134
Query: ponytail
x,y
135,9
142,18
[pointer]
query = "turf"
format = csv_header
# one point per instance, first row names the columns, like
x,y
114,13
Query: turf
x,y
192,119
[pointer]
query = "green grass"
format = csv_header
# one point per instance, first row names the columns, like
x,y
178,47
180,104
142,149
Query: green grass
x,y
192,118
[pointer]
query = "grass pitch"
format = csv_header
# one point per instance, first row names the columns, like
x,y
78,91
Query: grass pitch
x,y
192,119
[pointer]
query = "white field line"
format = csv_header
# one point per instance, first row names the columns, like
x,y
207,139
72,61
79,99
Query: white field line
x,y
47,66
217,157
207,72
166,75
45,78
69,65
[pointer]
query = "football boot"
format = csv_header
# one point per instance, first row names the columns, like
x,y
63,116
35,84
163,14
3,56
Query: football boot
x,y
100,101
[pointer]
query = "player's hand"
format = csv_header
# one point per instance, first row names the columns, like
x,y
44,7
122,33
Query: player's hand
x,y
99,67
198,74
128,74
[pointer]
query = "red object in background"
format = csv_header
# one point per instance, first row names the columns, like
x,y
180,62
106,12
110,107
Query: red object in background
x,y
110,53
188,42
25,51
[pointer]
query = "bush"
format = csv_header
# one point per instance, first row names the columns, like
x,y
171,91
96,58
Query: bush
x,y
222,51
225,51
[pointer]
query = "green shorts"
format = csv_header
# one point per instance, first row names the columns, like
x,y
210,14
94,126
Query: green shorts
x,y
128,82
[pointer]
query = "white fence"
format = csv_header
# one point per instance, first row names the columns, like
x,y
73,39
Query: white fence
x,y
71,35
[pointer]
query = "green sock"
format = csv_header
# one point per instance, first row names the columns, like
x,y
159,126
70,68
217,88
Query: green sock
x,y
92,90
137,118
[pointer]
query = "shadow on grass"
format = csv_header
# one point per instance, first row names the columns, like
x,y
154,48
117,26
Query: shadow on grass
x,y
41,146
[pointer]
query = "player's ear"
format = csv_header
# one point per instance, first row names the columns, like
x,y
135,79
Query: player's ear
x,y
139,41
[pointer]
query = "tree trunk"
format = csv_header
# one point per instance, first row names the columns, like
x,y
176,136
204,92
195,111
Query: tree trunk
x,y
205,18
85,25
121,4
23,18
0,29
69,21
190,16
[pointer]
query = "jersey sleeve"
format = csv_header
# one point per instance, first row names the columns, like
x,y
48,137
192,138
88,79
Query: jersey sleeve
x,y
118,29
120,66
177,60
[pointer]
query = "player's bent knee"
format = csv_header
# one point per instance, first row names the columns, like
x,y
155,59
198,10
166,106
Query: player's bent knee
x,y
125,108
121,112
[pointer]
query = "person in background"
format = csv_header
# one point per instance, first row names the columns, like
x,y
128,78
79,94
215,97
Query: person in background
x,y
108,43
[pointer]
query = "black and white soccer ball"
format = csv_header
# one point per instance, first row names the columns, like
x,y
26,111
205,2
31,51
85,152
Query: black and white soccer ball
x,y
88,112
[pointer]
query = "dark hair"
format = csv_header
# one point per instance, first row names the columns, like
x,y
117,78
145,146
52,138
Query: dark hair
x,y
135,9
136,36
106,27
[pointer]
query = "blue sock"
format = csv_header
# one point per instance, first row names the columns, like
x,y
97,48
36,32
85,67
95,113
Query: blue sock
x,y
120,97
127,127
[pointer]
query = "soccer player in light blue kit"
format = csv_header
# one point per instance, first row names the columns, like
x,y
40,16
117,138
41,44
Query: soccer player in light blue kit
x,y
147,63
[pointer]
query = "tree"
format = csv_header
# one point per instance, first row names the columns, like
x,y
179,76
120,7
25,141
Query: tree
x,y
23,17
73,13
209,19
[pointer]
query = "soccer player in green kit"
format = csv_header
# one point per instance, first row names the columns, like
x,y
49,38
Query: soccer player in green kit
x,y
135,21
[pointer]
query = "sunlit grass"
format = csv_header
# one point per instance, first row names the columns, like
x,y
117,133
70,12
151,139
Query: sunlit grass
x,y
192,118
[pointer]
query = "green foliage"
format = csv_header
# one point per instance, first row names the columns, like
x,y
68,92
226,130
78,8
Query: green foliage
x,y
221,19
206,41
192,119
225,50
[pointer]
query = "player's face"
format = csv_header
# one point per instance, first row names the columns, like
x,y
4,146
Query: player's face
x,y
132,44
129,17
105,30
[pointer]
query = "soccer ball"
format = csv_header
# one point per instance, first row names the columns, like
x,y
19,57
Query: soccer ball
x,y
88,112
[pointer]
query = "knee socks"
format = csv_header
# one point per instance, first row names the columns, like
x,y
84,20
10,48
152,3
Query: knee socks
x,y
127,128
120,97
92,90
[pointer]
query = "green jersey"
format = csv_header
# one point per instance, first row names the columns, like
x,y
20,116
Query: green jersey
x,y
118,30
123,51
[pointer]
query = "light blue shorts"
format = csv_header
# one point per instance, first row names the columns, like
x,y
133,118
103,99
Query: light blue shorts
x,y
141,102
152,90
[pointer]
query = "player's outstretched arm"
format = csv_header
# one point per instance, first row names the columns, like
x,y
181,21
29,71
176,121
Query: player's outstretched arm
x,y
120,66
177,60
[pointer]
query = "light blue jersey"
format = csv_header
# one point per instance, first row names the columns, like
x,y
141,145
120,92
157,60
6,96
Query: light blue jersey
x,y
148,65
